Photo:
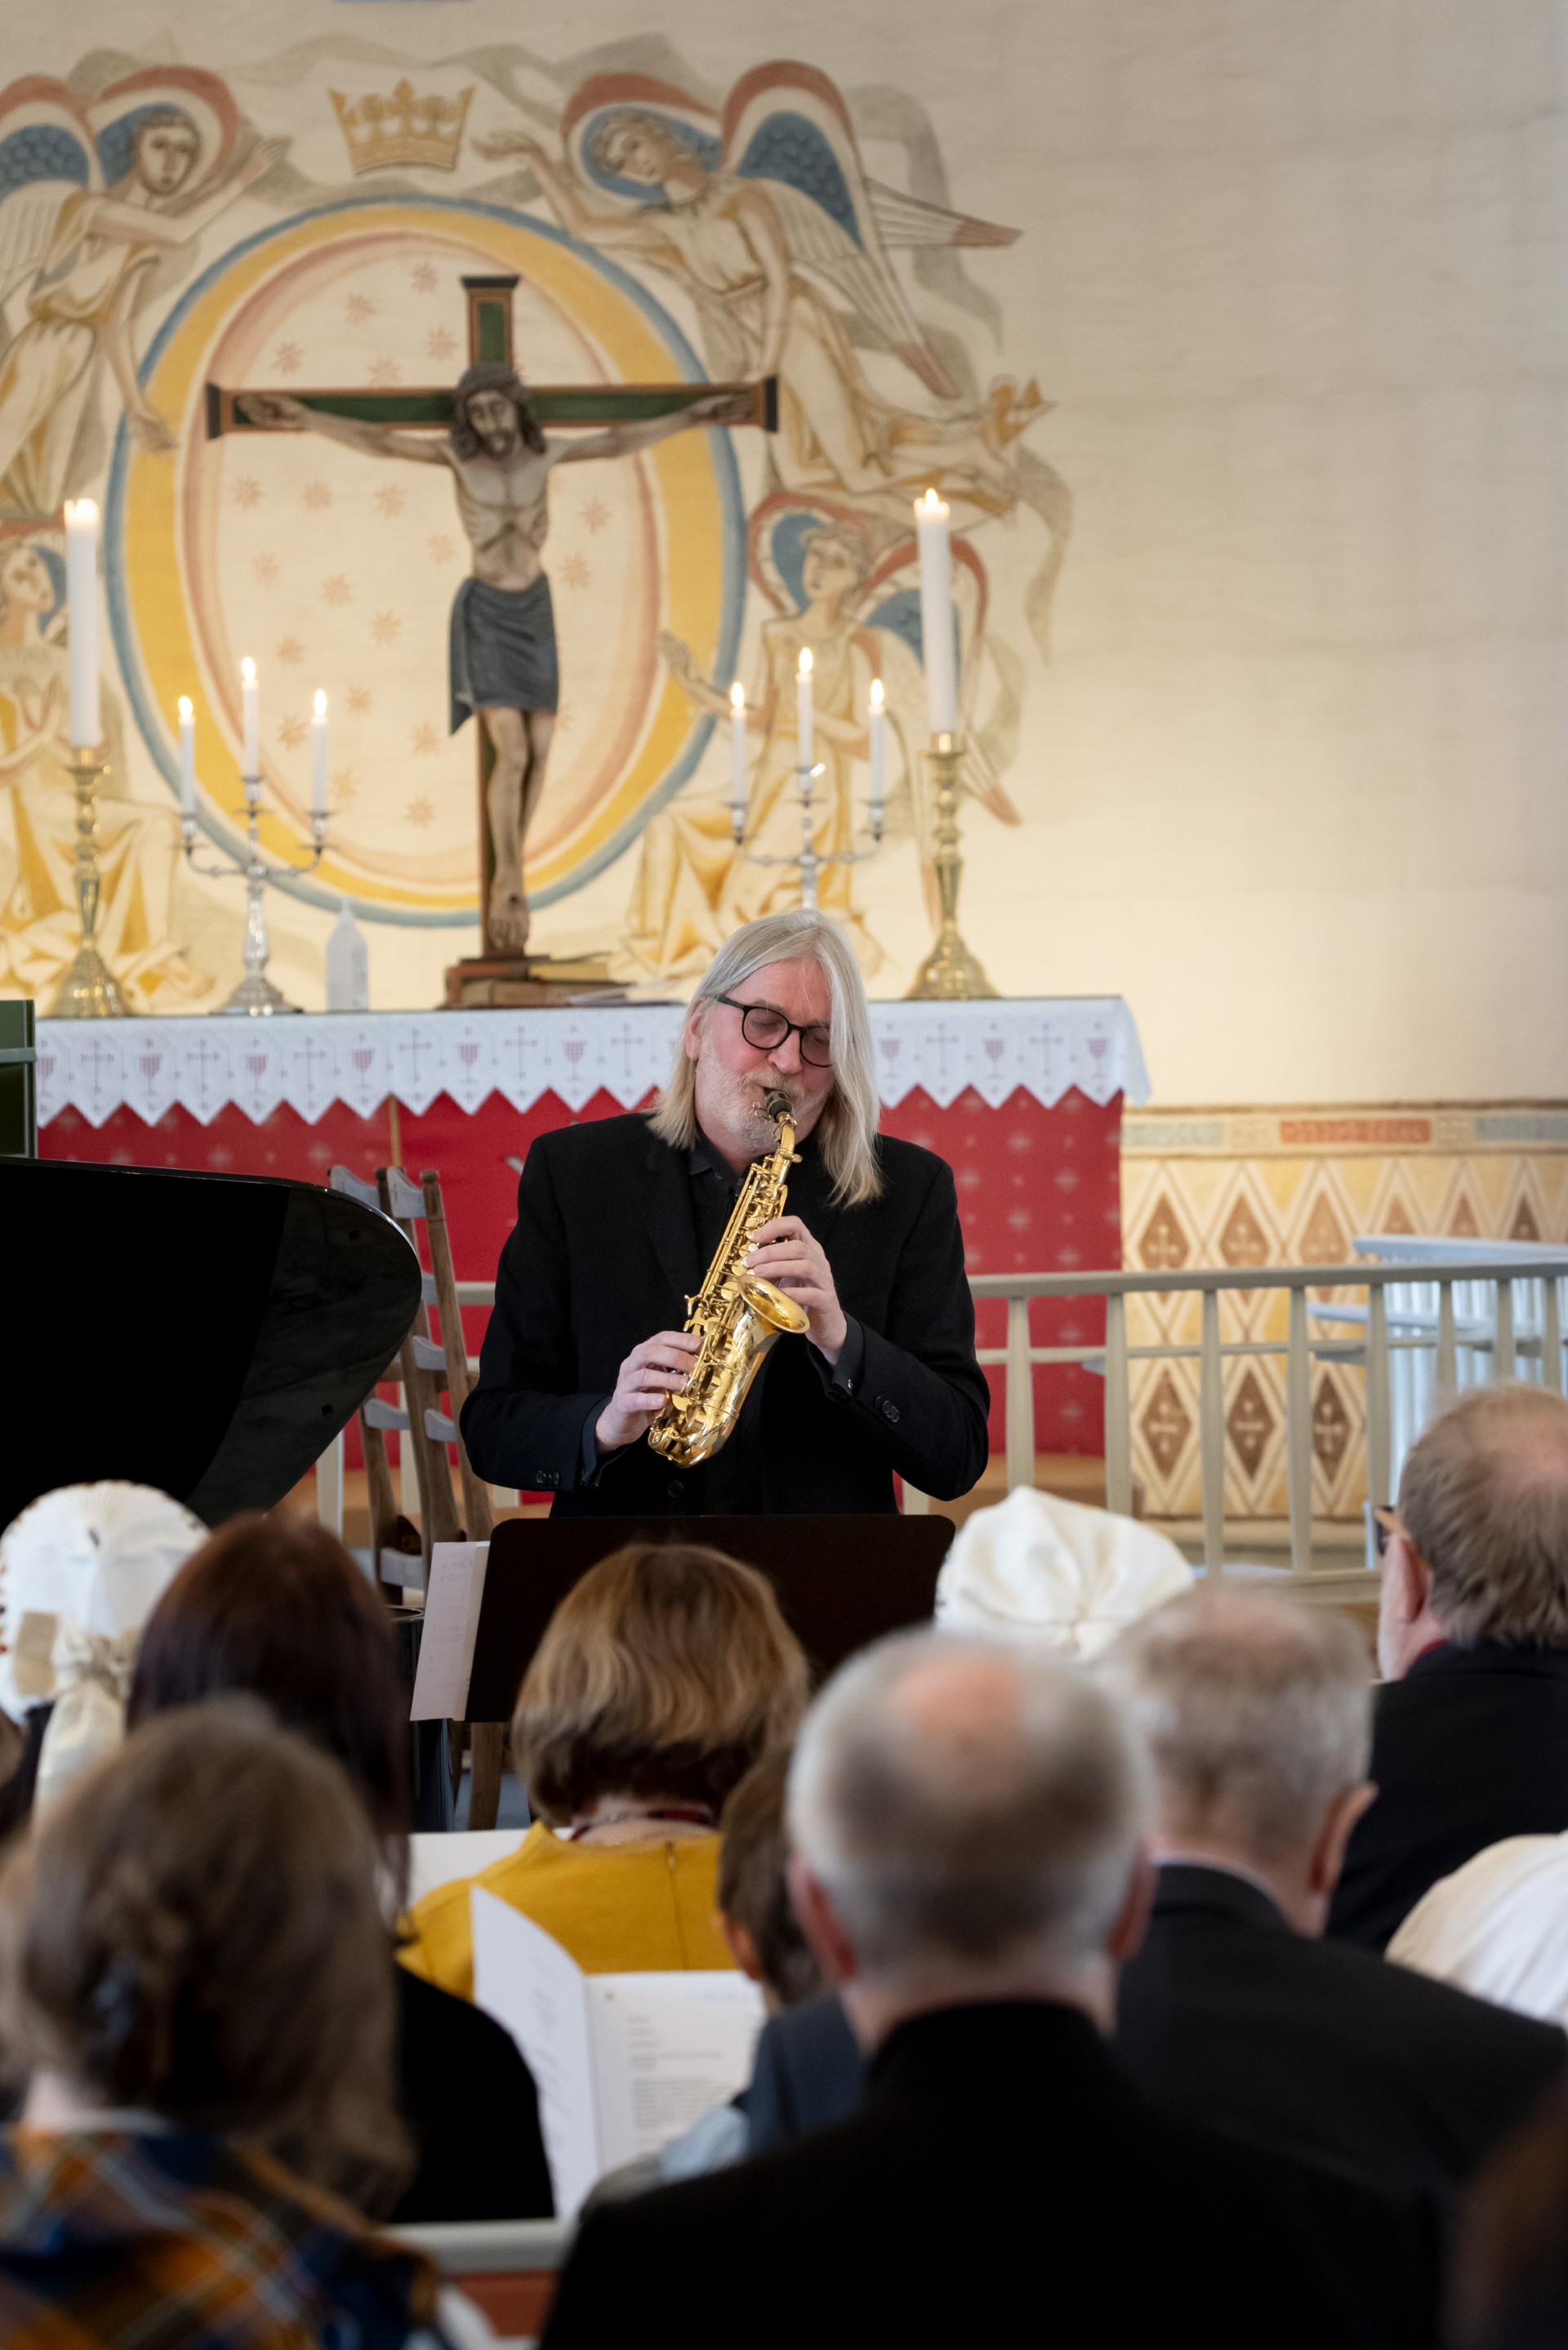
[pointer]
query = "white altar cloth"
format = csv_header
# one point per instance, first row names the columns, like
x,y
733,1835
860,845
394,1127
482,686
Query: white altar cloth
x,y
1045,1044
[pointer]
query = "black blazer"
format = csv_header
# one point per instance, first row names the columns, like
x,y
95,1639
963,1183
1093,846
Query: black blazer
x,y
1471,1746
1003,2183
604,1253
1324,2052
471,2109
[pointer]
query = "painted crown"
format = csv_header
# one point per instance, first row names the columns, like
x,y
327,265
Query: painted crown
x,y
404,128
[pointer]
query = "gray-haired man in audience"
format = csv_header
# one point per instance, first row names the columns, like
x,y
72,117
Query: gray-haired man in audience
x,y
1257,1711
967,1825
1471,1740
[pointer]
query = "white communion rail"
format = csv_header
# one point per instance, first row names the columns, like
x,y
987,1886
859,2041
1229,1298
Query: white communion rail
x,y
1507,1322
1439,1315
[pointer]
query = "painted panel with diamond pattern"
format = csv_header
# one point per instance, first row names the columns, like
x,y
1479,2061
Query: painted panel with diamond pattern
x,y
1269,1187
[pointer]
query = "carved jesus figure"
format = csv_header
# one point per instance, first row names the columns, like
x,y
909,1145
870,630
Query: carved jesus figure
x,y
504,663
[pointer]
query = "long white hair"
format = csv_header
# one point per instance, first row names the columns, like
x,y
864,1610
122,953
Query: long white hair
x,y
848,1126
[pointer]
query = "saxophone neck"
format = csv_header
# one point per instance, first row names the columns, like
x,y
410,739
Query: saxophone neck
x,y
779,1109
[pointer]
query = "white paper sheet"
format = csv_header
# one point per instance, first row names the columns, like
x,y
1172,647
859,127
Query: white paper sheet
x,y
526,1981
446,1640
623,2063
666,2048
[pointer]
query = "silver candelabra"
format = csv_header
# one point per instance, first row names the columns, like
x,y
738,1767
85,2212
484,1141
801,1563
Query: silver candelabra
x,y
256,996
808,863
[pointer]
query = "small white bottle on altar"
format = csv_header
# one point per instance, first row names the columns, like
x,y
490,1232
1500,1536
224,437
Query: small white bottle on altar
x,y
347,964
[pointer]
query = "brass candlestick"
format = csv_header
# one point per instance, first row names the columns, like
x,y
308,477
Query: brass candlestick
x,y
90,990
950,973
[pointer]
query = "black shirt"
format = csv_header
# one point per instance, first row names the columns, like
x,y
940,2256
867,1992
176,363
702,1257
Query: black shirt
x,y
604,1253
732,1477
471,2105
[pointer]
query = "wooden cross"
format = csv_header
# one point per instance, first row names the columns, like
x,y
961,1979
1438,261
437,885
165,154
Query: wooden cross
x,y
431,408
495,977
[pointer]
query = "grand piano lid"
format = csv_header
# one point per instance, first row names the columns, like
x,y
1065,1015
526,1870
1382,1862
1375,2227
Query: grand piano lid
x,y
206,1333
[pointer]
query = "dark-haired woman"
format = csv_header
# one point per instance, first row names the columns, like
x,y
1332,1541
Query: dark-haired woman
x,y
193,1974
277,1608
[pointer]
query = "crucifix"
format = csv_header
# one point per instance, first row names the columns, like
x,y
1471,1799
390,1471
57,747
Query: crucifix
x,y
488,432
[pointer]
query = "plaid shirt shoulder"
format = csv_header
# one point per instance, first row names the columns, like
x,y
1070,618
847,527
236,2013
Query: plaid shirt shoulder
x,y
111,2243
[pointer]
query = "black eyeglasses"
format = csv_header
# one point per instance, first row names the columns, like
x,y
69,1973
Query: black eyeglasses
x,y
1386,1528
766,1029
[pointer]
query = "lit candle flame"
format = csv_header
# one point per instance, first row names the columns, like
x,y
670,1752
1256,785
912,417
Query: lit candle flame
x,y
187,709
248,671
877,695
805,669
321,703
737,696
931,502
81,513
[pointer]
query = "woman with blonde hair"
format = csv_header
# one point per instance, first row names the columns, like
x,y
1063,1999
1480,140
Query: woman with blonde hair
x,y
662,1677
193,1977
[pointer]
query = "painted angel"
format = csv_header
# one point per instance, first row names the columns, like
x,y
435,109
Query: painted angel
x,y
93,194
767,221
693,886
138,846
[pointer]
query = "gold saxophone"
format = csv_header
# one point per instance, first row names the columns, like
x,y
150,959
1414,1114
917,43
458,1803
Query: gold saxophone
x,y
735,1314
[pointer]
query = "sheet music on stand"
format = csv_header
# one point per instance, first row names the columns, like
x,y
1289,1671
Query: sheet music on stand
x,y
450,1626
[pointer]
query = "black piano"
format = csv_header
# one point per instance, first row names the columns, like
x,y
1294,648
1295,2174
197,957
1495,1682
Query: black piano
x,y
206,1333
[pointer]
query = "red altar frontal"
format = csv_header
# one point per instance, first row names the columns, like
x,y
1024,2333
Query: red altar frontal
x,y
1022,1098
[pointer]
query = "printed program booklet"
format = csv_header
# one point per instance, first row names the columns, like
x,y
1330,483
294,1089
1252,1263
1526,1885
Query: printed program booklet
x,y
623,2063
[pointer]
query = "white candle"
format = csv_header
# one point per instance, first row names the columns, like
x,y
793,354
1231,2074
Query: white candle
x,y
187,756
251,713
738,747
81,595
318,778
937,614
802,704
878,749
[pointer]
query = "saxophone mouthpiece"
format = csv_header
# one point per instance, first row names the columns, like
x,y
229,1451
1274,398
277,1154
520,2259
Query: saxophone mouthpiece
x,y
777,1106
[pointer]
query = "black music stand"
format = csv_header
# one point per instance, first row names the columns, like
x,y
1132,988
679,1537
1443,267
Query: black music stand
x,y
841,1580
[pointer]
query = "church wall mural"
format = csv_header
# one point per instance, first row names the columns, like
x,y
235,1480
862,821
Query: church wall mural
x,y
1243,398
169,232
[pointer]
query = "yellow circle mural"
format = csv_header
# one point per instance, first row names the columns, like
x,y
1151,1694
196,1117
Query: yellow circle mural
x,y
334,569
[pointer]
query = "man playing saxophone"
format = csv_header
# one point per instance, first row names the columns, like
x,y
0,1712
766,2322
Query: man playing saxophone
x,y
618,1219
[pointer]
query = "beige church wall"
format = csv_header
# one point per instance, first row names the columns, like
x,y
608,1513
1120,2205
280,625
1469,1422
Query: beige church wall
x,y
1282,734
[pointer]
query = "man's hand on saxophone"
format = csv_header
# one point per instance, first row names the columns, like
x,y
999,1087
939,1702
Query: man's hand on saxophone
x,y
650,1372
786,1253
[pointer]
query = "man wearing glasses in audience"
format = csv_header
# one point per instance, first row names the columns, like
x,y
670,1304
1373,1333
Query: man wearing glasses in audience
x,y
618,1219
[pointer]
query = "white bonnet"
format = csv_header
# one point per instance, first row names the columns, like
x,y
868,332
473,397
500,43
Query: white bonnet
x,y
1036,1567
93,1558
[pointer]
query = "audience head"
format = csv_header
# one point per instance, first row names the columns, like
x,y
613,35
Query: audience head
x,y
663,1675
967,1822
1036,1568
1483,1553
754,1909
276,1607
194,1930
1257,1713
80,1571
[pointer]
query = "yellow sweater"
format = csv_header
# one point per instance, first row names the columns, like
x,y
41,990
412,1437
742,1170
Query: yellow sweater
x,y
618,1909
